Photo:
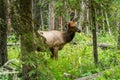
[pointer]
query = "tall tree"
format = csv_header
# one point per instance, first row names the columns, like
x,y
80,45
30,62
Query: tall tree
x,y
27,39
3,32
87,16
93,20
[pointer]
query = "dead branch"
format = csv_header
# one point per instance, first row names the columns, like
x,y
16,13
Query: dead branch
x,y
6,65
102,45
8,72
6,69
90,77
13,44
69,75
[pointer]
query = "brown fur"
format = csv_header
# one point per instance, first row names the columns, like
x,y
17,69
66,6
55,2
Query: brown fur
x,y
57,39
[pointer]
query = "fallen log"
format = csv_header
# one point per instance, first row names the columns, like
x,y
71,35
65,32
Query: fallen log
x,y
102,45
69,75
89,77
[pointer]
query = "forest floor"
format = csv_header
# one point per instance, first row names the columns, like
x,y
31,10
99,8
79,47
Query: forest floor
x,y
76,60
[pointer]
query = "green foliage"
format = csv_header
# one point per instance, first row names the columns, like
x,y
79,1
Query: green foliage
x,y
13,52
106,38
110,74
65,8
12,39
75,59
6,77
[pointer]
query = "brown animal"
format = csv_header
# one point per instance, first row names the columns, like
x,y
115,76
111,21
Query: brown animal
x,y
57,39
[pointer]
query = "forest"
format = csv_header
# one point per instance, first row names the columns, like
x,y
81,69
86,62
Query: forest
x,y
59,40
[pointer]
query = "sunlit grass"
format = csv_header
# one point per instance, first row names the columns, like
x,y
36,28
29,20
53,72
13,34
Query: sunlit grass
x,y
78,59
13,52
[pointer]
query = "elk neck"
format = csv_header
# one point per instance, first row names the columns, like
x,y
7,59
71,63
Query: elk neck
x,y
68,36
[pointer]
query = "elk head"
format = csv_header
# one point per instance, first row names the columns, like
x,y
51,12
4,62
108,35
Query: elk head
x,y
71,27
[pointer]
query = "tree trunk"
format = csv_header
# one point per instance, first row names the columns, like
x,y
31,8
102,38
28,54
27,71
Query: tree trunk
x,y
81,15
87,17
107,22
9,30
36,14
61,23
27,39
14,18
103,21
95,52
118,43
3,32
51,15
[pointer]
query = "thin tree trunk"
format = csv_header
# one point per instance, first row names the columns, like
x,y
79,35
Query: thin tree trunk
x,y
107,21
118,43
51,15
9,31
42,24
36,14
103,21
81,17
96,21
87,17
3,32
95,52
60,23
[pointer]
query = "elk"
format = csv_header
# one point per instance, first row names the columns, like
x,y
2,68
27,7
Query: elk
x,y
57,39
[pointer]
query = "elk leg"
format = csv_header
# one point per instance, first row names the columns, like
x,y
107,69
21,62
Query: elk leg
x,y
52,52
56,53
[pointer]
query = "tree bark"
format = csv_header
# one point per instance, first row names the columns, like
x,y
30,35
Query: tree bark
x,y
95,52
27,39
3,32
107,22
118,43
103,22
61,23
87,16
51,15
36,14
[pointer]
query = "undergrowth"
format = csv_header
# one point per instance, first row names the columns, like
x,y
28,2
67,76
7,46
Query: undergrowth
x,y
76,59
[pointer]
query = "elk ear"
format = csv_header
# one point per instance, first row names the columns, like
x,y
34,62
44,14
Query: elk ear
x,y
72,23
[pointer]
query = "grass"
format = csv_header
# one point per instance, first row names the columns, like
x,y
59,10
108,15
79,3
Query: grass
x,y
13,52
78,60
